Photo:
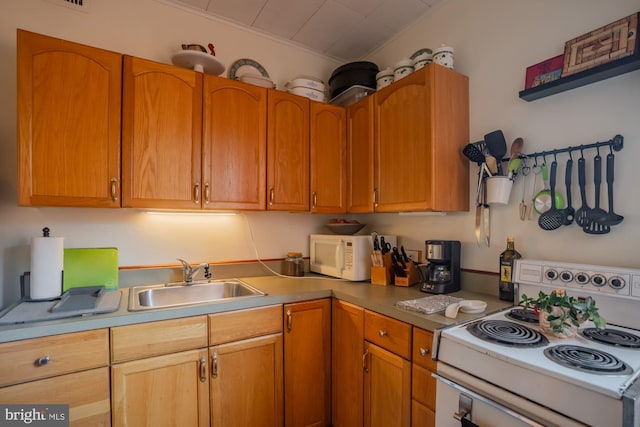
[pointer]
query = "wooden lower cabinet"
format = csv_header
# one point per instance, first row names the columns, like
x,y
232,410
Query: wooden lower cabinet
x,y
423,384
307,363
86,393
387,388
169,390
246,367
347,345
67,369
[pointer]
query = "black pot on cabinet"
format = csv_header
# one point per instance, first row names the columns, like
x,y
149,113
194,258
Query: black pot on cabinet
x,y
362,73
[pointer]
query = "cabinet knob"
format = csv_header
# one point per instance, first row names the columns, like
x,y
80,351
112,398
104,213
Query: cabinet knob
x,y
214,365
364,360
375,197
314,200
424,351
382,333
203,370
289,320
42,361
206,193
272,196
196,193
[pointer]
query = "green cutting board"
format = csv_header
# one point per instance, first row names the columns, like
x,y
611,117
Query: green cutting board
x,y
90,267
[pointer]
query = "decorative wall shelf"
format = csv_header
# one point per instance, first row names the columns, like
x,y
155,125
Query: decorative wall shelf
x,y
592,75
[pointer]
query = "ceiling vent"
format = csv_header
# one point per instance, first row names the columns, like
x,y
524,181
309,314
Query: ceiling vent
x,y
79,5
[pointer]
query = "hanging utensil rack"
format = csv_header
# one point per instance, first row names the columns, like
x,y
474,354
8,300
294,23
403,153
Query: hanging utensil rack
x,y
616,143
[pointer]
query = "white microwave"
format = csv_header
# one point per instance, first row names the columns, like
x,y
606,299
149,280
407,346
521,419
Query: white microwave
x,y
345,257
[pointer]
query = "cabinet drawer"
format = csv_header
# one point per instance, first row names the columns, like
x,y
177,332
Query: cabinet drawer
x,y
60,354
242,324
388,333
86,393
156,338
423,349
423,387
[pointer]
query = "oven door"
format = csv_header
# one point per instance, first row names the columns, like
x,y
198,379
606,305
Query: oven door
x,y
464,400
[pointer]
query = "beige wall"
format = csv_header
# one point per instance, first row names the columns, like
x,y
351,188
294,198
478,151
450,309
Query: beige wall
x,y
495,40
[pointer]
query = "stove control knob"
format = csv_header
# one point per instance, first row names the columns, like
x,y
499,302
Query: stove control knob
x,y
551,274
582,278
566,276
616,282
598,280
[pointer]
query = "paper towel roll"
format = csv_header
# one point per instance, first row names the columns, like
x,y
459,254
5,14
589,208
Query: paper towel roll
x,y
47,263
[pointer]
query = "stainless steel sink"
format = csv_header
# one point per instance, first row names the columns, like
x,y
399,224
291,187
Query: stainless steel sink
x,y
178,294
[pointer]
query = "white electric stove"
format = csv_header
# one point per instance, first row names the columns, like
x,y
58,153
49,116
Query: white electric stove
x,y
513,371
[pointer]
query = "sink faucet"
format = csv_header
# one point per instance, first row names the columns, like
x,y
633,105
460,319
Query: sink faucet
x,y
188,272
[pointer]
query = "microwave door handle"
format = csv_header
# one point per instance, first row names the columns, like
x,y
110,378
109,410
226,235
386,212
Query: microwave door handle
x,y
340,255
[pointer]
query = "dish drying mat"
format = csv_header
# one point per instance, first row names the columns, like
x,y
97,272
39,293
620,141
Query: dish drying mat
x,y
27,311
428,305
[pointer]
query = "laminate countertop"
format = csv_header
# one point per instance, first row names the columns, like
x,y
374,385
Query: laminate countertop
x,y
279,290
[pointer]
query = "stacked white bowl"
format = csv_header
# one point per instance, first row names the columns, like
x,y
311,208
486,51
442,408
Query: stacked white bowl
x,y
309,87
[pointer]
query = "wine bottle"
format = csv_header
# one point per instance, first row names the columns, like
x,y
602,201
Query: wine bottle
x,y
507,259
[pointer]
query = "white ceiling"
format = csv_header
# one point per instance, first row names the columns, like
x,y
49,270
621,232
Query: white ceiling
x,y
343,29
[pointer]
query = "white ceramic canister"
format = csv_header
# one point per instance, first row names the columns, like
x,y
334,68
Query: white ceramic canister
x,y
421,60
384,78
443,56
402,69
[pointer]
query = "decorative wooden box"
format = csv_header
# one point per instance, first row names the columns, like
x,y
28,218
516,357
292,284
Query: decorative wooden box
x,y
606,44
544,72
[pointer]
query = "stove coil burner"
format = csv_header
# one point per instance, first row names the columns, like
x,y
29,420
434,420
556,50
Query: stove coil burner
x,y
507,333
523,315
612,337
586,359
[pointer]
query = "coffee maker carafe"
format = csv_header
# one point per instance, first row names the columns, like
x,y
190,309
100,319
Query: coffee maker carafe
x,y
443,269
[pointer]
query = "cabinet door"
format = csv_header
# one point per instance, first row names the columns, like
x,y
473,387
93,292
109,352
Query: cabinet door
x,y
421,126
360,156
246,383
68,123
86,393
287,152
387,388
161,136
328,158
307,363
347,347
235,145
170,390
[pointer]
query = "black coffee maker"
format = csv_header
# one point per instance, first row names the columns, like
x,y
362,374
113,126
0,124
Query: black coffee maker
x,y
443,269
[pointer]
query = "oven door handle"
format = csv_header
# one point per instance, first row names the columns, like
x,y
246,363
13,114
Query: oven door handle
x,y
487,401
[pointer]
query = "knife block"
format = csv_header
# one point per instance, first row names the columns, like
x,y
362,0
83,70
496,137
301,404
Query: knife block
x,y
383,275
413,277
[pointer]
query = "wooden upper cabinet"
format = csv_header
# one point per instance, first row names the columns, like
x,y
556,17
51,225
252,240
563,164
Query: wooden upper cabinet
x,y
421,126
161,136
360,156
68,123
287,152
235,144
328,143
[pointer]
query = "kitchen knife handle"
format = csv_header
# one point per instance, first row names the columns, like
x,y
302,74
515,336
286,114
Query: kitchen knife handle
x,y
114,189
214,366
196,193
289,320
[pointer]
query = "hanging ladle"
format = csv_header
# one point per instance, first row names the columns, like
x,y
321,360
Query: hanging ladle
x,y
610,218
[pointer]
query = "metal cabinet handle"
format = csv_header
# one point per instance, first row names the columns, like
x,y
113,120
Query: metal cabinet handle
x,y
424,351
42,361
114,190
314,200
364,360
272,196
196,193
214,365
375,197
289,320
382,333
203,370
206,193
